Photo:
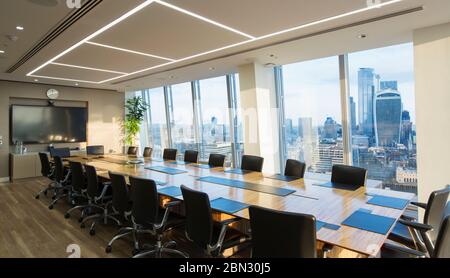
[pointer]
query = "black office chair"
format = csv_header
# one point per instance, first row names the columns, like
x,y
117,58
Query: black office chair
x,y
295,168
277,234
61,189
170,154
354,177
252,163
121,204
146,217
422,236
47,171
95,150
200,228
99,198
148,152
216,160
61,152
191,156
132,150
440,250
78,190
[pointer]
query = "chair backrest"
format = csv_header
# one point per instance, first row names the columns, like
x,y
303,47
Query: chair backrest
x,y
191,156
216,160
277,234
435,210
349,175
295,168
95,150
46,169
442,246
132,151
170,154
59,169
145,201
252,163
120,196
148,152
199,222
61,152
78,177
92,181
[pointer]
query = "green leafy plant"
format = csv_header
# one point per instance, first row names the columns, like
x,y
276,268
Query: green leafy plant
x,y
136,108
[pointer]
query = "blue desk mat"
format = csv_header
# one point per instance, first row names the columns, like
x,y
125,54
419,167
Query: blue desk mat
x,y
203,166
171,191
238,171
369,222
180,163
389,202
166,170
365,210
338,186
248,186
228,206
321,224
283,178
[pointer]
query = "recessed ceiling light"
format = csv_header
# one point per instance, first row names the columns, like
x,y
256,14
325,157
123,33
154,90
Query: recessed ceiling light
x,y
36,80
2,51
362,36
212,68
76,84
20,28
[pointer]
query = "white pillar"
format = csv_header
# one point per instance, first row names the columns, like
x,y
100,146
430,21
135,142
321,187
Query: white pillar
x,y
260,114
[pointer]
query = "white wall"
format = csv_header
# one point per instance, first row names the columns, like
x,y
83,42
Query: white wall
x,y
432,77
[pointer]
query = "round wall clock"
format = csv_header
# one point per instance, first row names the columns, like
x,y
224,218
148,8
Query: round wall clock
x,y
52,94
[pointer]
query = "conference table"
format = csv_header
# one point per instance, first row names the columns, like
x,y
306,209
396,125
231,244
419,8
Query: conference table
x,y
330,206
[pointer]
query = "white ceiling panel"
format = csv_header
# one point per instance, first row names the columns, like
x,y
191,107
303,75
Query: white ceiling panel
x,y
165,32
76,74
262,17
94,56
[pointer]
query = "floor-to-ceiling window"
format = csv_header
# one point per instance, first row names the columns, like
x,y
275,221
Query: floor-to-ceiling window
x,y
312,113
382,106
182,117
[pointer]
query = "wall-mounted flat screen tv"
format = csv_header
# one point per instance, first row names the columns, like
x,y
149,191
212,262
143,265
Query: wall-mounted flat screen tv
x,y
48,124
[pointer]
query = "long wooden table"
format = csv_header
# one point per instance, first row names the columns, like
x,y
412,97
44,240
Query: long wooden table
x,y
326,204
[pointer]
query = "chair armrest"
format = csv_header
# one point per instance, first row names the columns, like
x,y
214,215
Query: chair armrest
x,y
405,250
418,226
420,205
106,185
171,204
407,218
229,221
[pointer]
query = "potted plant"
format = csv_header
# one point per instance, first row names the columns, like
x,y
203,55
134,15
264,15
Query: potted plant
x,y
135,110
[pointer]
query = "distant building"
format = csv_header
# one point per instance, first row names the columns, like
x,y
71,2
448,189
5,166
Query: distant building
x,y
353,114
325,156
330,129
406,130
406,176
366,92
305,129
388,113
386,85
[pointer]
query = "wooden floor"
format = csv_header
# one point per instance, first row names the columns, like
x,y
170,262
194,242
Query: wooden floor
x,y
29,229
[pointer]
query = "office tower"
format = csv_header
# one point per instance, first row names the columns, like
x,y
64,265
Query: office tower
x,y
330,129
352,114
325,155
305,128
406,130
388,114
289,131
393,85
366,91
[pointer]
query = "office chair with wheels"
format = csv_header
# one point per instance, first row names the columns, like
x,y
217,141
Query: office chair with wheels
x,y
95,150
216,160
147,218
418,236
354,177
132,150
47,171
99,198
440,250
78,190
61,189
200,228
147,152
277,234
295,168
252,163
121,204
170,154
191,156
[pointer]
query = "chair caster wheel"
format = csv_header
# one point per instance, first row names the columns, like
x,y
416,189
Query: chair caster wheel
x,y
92,232
37,197
66,216
80,220
54,197
135,252
82,226
108,249
50,207
45,192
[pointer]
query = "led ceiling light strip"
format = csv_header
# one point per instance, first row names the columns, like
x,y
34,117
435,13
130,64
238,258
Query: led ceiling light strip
x,y
262,37
86,68
129,51
65,79
98,32
204,19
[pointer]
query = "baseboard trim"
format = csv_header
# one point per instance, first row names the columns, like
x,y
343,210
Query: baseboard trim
x,y
5,179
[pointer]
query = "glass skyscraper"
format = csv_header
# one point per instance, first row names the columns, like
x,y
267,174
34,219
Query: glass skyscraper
x,y
366,91
388,116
